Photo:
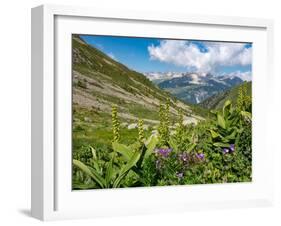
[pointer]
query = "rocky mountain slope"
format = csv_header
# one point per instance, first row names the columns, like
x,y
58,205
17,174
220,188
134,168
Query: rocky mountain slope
x,y
100,82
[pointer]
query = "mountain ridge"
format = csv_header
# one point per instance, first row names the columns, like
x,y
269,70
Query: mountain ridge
x,y
217,101
194,88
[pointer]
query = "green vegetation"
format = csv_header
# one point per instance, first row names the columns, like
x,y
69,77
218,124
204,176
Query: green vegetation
x,y
217,150
100,82
217,101
127,132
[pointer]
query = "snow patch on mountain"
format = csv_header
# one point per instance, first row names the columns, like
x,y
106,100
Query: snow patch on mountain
x,y
162,75
198,78
194,87
195,79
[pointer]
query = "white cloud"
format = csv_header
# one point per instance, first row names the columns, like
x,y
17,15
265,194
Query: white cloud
x,y
187,54
245,76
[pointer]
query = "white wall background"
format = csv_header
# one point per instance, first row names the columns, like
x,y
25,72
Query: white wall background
x,y
15,112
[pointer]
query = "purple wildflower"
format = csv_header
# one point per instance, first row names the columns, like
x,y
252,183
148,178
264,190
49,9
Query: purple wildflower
x,y
164,152
180,175
183,157
225,150
232,148
200,156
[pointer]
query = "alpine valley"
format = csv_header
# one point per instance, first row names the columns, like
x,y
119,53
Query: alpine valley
x,y
133,129
193,87
99,82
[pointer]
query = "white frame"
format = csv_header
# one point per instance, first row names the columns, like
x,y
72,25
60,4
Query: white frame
x,y
44,122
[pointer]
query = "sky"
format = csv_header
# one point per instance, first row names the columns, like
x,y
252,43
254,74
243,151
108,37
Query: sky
x,y
167,55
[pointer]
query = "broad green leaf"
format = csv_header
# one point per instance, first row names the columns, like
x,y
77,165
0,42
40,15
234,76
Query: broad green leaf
x,y
150,145
94,152
224,141
95,164
221,121
143,152
109,172
226,105
90,172
219,144
226,108
214,134
214,112
237,139
246,114
240,130
192,146
77,185
135,146
95,161
232,136
126,168
173,145
124,150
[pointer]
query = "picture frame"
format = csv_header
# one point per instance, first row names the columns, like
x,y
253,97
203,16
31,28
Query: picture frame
x,y
51,195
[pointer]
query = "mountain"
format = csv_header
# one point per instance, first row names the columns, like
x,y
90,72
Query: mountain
x,y
195,88
217,101
100,82
162,75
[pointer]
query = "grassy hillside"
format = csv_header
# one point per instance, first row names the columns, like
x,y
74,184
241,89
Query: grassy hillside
x,y
217,101
100,82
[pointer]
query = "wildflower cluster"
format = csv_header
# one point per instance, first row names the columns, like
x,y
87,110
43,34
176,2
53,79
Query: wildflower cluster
x,y
163,152
200,156
231,149
189,158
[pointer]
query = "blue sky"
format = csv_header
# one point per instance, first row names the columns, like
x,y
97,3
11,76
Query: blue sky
x,y
163,55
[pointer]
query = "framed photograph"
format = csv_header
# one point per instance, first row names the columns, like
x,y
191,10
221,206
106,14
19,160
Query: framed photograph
x,y
136,112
